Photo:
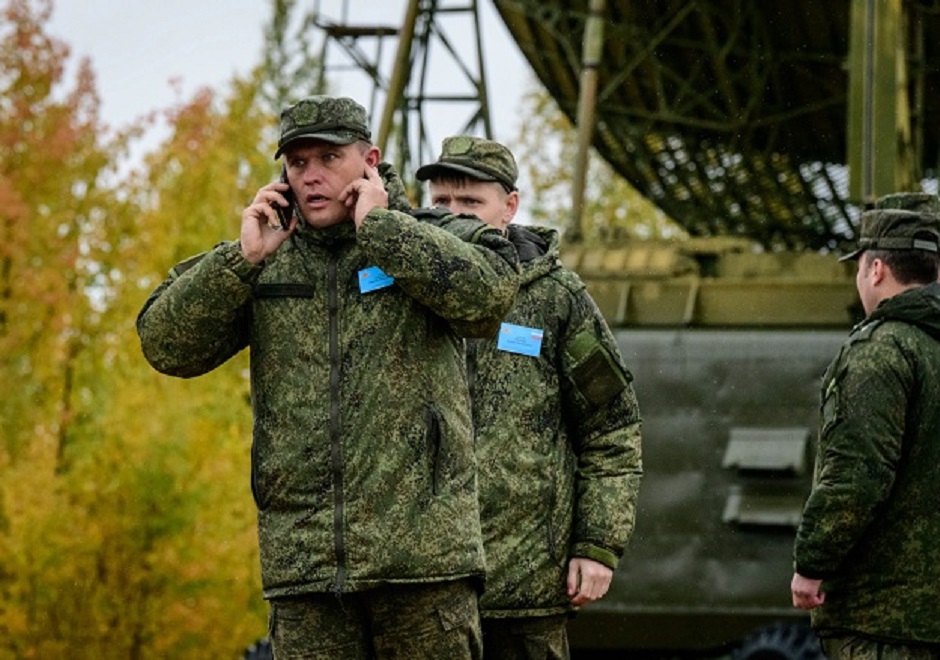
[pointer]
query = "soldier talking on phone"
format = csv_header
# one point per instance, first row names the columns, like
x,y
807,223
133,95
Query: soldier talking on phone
x,y
363,468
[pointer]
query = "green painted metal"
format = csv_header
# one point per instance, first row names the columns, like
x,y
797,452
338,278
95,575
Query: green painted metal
x,y
727,344
880,147
721,282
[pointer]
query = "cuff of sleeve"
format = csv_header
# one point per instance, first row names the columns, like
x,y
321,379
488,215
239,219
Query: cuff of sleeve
x,y
810,573
234,260
600,555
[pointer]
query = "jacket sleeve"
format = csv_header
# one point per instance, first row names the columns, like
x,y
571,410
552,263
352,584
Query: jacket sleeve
x,y
197,318
602,416
864,404
461,269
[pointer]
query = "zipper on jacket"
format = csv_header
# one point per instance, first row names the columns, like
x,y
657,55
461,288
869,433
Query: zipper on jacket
x,y
336,453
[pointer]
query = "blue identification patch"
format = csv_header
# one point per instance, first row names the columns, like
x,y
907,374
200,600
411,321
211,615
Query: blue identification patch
x,y
373,278
520,339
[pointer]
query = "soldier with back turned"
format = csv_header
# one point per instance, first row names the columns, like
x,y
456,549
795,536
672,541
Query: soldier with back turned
x,y
867,552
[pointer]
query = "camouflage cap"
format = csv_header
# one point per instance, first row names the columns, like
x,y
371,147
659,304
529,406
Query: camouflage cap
x,y
897,229
910,201
339,120
478,158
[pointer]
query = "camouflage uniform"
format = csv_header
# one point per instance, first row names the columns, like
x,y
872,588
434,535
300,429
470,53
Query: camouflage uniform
x,y
363,468
558,434
558,439
871,525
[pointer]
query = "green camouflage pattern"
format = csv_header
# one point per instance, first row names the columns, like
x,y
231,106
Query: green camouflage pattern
x,y
910,201
363,467
871,525
339,120
478,158
394,188
558,441
439,620
896,229
861,648
543,637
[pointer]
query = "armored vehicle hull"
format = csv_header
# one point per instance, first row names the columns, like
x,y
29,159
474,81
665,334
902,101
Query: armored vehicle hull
x,y
728,346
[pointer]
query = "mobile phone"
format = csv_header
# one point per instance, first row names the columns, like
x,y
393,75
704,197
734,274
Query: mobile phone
x,y
284,213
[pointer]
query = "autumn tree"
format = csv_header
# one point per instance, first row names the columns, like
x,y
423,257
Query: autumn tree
x,y
126,522
53,194
56,164
291,67
127,527
205,593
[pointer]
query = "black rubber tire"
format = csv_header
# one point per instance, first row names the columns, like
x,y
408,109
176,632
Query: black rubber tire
x,y
780,641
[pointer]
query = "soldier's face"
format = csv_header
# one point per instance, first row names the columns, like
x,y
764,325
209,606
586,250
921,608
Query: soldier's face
x,y
319,172
487,200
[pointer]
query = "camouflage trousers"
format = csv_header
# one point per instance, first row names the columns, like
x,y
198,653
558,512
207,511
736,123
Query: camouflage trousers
x,y
851,647
531,638
414,621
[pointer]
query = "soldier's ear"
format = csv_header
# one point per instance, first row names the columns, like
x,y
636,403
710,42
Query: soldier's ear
x,y
512,205
877,270
373,156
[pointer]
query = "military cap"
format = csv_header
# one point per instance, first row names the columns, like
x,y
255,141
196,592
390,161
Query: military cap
x,y
339,120
478,158
910,201
897,229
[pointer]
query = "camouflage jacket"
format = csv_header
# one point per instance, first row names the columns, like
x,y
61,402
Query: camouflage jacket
x,y
871,525
363,468
558,439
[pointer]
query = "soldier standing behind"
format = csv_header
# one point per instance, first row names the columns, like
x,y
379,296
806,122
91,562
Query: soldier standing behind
x,y
363,468
867,552
557,425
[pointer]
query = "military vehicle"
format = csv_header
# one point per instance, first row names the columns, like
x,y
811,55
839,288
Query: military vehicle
x,y
754,126
727,344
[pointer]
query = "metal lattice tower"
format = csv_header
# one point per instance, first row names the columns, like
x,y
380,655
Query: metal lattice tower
x,y
426,75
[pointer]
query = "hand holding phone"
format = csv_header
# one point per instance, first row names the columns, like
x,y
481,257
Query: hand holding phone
x,y
285,213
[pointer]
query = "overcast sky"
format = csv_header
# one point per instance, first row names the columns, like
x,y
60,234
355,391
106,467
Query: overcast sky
x,y
137,47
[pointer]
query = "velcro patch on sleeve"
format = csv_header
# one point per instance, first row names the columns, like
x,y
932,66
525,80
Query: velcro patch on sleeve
x,y
596,374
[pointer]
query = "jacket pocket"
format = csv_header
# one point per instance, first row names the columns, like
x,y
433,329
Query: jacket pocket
x,y
284,290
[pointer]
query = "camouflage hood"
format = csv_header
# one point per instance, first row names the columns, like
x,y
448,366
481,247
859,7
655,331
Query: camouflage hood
x,y
919,306
538,249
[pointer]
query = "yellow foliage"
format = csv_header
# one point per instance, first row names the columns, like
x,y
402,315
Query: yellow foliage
x,y
127,527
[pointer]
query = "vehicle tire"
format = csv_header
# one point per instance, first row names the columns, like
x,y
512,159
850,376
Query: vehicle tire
x,y
260,650
780,641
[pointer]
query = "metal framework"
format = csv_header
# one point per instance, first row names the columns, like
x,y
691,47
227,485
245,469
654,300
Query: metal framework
x,y
778,121
732,115
430,79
